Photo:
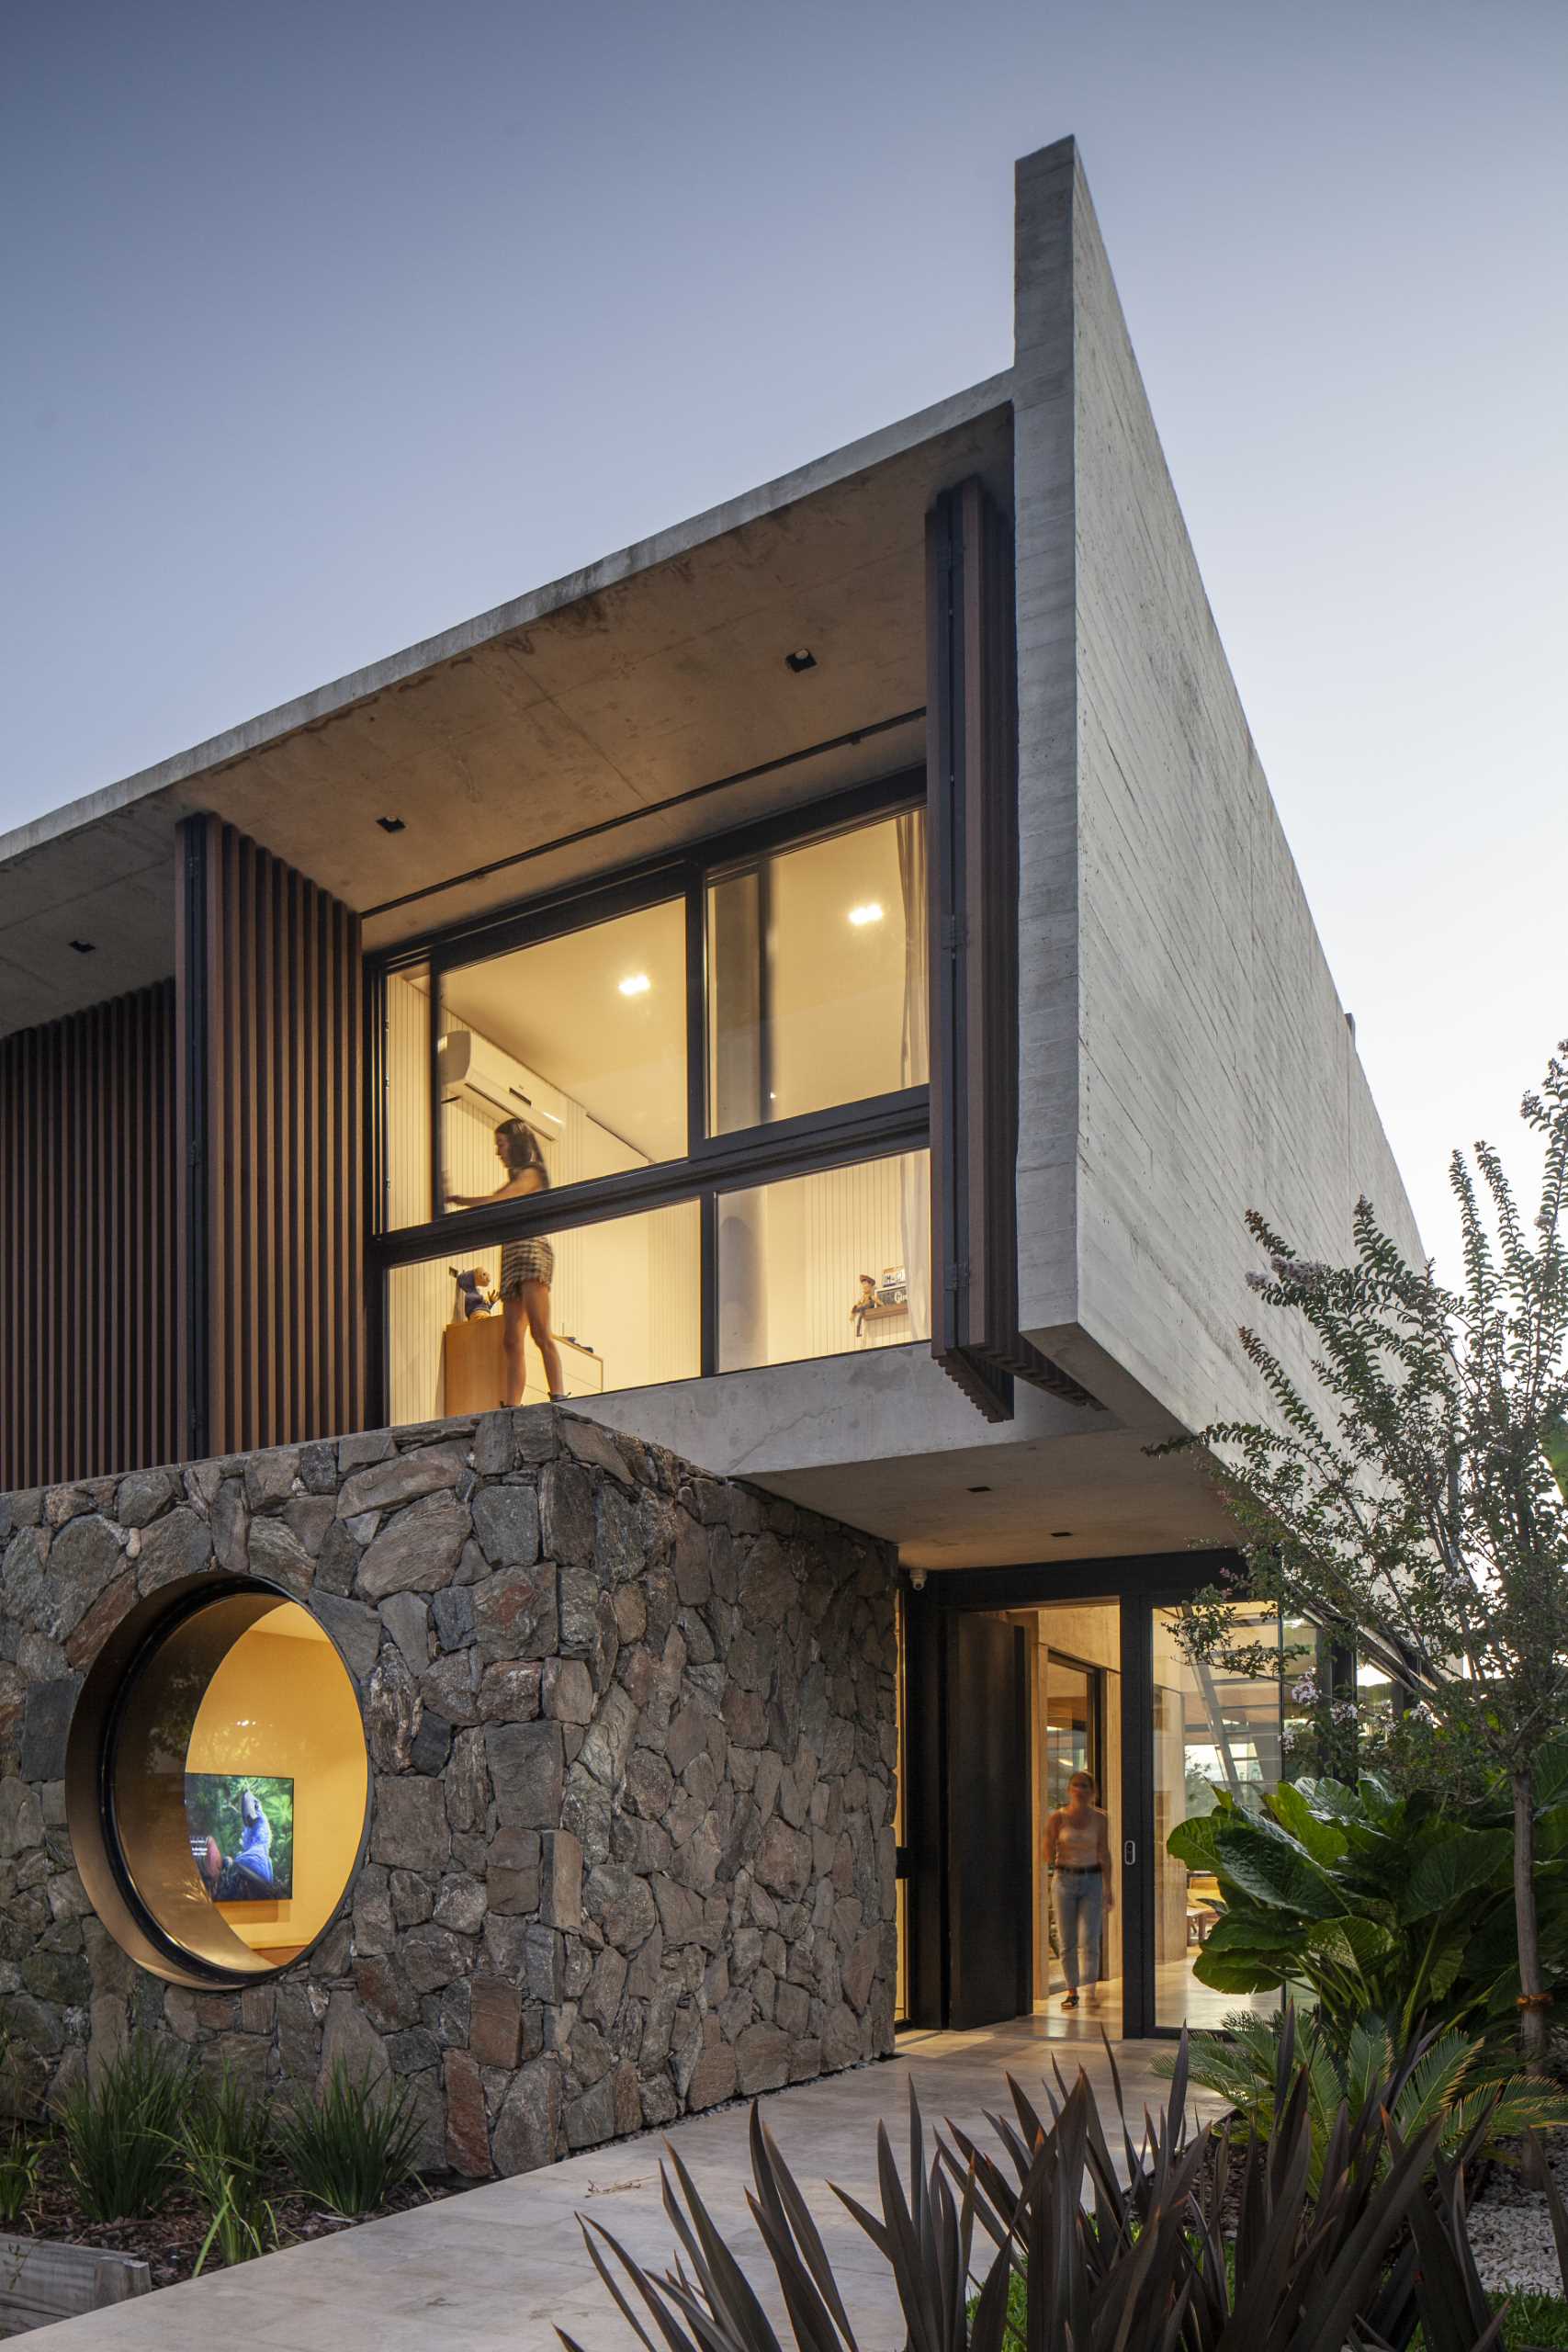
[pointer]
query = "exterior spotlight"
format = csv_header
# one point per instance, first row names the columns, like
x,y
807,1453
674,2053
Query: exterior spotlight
x,y
635,984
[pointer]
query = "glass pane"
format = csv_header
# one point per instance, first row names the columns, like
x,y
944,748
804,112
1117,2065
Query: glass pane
x,y
407,1197
1212,1730
620,1301
583,1038
817,960
1068,1727
826,1264
1078,1729
238,1782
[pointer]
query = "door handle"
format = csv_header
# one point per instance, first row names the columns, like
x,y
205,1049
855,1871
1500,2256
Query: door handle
x,y
1130,1854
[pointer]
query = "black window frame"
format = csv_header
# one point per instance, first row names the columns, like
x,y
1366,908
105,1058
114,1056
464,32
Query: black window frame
x,y
874,1127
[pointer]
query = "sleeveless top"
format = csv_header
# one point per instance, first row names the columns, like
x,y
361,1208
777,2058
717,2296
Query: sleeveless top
x,y
1078,1843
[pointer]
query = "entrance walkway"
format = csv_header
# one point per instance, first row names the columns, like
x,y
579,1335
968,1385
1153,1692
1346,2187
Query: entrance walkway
x,y
498,2269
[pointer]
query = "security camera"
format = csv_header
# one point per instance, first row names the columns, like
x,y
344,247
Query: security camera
x,y
917,1578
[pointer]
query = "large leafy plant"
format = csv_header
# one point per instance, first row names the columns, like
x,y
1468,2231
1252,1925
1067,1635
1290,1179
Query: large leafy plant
x,y
1377,1904
1443,2079
1044,2239
1409,1492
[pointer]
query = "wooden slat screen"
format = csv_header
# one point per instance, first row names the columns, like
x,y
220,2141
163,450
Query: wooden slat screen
x,y
88,1243
271,1063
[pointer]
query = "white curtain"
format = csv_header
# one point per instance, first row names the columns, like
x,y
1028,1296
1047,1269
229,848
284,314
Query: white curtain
x,y
915,1067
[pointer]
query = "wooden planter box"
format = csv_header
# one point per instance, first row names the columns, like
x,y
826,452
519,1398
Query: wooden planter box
x,y
41,2281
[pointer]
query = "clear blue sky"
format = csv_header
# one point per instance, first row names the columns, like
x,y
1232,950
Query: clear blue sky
x,y
329,325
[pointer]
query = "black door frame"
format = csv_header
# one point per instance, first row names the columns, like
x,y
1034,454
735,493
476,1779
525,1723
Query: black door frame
x,y
1139,1587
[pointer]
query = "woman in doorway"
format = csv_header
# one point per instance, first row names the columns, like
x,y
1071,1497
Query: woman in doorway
x,y
528,1267
1077,1855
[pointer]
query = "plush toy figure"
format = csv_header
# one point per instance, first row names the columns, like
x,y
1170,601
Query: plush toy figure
x,y
474,1294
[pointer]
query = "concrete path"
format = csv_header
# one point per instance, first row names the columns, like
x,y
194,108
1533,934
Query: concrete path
x,y
499,2269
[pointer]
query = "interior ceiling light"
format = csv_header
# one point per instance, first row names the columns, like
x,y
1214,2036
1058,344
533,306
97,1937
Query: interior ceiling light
x,y
635,984
391,824
870,912
801,658
85,946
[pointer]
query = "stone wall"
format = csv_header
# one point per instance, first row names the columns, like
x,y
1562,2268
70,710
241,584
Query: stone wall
x,y
632,1742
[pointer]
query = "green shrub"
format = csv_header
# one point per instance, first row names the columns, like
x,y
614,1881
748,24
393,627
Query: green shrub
x,y
120,2130
1444,2079
1204,2245
226,2152
21,2155
1377,1905
350,2146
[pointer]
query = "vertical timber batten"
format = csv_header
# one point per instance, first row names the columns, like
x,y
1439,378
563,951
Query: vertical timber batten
x,y
88,1360
272,1065
972,828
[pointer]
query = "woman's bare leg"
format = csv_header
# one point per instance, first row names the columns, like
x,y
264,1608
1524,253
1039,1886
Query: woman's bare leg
x,y
513,1329
537,1298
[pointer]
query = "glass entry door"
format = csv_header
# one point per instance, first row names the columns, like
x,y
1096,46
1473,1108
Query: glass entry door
x,y
1211,1732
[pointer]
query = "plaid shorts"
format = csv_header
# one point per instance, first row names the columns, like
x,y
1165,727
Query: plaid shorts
x,y
525,1262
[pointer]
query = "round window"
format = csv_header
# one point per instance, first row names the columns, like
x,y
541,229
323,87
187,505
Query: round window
x,y
217,1781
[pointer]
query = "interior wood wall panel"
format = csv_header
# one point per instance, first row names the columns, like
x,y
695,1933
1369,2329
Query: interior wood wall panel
x,y
272,1110
88,1370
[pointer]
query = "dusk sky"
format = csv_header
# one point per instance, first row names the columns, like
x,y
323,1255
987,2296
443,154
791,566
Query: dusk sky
x,y
328,326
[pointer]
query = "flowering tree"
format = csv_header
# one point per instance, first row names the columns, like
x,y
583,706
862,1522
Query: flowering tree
x,y
1417,1500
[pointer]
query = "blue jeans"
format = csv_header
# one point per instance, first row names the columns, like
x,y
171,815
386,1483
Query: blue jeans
x,y
1081,1920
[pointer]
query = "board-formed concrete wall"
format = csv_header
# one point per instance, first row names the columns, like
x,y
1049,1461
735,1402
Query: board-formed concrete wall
x,y
1184,1055
631,1731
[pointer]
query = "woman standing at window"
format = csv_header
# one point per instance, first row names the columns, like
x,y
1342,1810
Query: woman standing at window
x,y
528,1267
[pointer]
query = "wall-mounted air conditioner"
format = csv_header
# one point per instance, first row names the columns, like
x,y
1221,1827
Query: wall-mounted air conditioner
x,y
478,1073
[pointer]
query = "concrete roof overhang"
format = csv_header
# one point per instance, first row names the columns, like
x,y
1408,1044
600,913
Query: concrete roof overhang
x,y
593,701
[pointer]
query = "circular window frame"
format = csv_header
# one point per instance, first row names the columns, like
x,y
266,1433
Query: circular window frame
x,y
90,1817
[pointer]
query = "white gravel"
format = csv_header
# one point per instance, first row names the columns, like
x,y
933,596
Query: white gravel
x,y
1510,2230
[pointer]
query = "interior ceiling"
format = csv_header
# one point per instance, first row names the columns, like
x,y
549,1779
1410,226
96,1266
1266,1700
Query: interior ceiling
x,y
669,676
558,1008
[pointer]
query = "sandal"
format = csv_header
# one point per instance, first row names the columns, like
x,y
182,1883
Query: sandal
x,y
1071,2002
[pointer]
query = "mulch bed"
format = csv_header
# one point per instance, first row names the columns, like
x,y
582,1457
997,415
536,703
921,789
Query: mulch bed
x,y
169,2240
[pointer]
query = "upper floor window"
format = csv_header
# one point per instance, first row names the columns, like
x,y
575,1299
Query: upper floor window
x,y
602,1100
582,1036
816,975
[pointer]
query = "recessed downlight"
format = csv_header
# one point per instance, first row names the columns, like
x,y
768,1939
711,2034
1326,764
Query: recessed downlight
x,y
801,658
1059,1534
871,911
85,946
391,824
635,984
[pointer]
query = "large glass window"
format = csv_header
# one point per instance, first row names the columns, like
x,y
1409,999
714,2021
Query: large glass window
x,y
1212,1730
826,1264
583,1037
729,993
816,976
622,1300
237,1781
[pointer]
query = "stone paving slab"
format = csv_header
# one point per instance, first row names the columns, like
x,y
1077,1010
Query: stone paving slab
x,y
499,2269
